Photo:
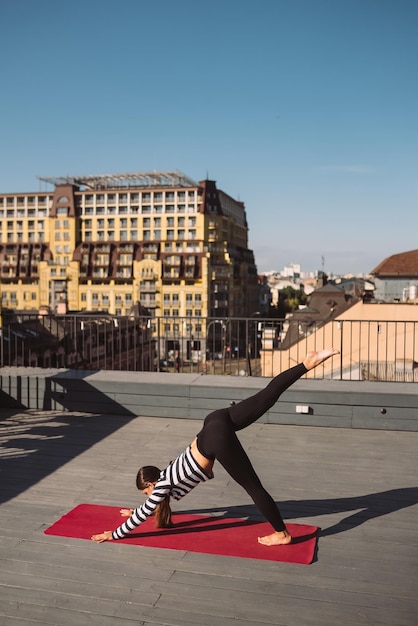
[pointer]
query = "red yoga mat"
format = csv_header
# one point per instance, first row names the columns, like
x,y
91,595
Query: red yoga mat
x,y
194,533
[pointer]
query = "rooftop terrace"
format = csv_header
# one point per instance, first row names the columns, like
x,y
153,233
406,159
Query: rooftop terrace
x,y
360,487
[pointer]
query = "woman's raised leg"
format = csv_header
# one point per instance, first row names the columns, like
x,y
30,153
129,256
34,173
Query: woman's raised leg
x,y
251,409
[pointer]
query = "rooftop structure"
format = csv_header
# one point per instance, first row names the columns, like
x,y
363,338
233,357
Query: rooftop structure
x,y
135,179
402,264
396,278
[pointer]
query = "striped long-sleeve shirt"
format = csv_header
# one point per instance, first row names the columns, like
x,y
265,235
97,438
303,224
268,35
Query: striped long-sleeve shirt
x,y
177,480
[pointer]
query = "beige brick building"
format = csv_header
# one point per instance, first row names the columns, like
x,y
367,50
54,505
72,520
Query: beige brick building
x,y
103,243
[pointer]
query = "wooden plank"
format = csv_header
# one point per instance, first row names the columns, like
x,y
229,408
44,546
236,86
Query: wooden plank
x,y
358,485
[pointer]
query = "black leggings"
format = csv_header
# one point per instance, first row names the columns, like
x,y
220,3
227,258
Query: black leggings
x,y
218,440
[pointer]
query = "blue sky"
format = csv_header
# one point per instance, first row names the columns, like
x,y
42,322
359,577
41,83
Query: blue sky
x,y
306,110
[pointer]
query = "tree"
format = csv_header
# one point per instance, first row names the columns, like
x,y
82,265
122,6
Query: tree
x,y
290,299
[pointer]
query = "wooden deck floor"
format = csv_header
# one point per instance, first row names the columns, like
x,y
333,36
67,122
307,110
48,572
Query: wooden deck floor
x,y
359,486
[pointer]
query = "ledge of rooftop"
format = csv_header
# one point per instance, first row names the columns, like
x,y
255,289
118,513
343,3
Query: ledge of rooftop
x,y
311,402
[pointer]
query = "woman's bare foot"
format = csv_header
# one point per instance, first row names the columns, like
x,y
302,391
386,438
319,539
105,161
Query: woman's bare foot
x,y
313,359
282,538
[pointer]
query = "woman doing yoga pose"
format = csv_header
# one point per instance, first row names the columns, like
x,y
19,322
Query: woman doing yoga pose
x,y
217,441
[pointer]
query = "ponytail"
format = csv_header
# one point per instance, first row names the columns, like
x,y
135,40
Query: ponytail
x,y
163,514
151,474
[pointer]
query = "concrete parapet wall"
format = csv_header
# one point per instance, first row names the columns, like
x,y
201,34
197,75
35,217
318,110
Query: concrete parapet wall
x,y
346,404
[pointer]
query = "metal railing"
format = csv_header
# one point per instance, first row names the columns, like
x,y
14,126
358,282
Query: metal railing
x,y
369,350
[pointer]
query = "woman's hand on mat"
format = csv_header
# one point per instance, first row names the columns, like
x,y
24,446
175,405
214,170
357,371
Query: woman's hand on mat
x,y
104,536
126,512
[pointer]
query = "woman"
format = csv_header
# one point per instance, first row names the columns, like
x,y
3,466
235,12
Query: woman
x,y
217,440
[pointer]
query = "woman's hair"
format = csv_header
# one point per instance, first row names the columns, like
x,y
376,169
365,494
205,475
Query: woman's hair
x,y
151,474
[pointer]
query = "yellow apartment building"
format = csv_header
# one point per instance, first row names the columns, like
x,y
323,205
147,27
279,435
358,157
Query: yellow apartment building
x,y
104,243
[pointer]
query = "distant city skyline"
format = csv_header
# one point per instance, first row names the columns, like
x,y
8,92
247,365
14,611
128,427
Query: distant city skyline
x,y
306,111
